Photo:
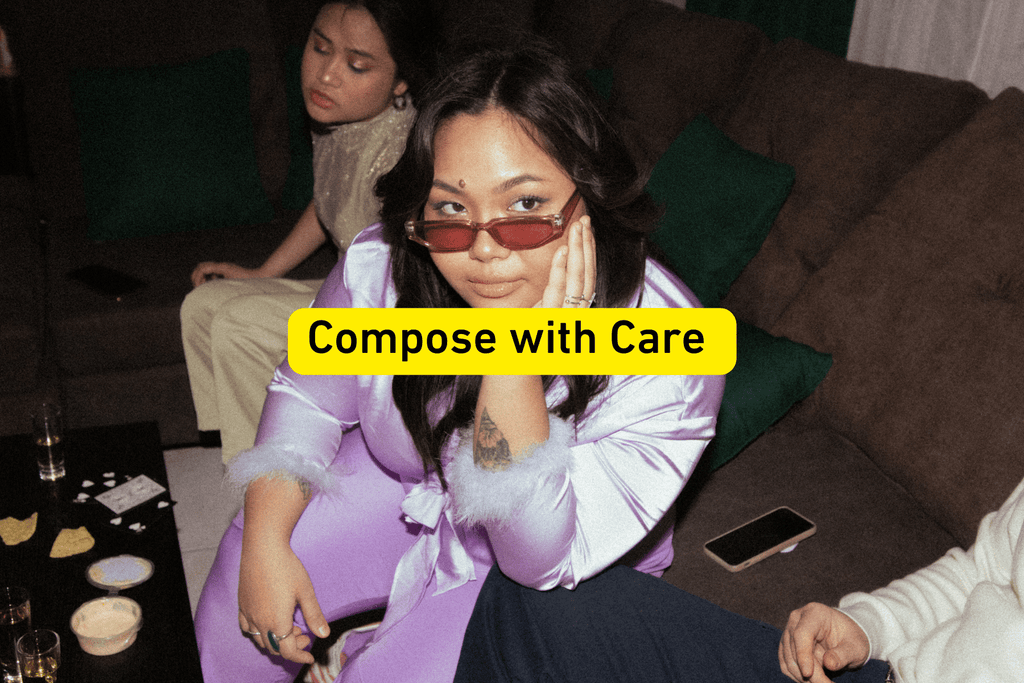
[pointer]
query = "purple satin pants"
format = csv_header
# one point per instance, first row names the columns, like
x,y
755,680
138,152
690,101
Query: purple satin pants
x,y
350,546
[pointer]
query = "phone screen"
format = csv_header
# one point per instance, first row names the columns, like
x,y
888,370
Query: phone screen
x,y
758,536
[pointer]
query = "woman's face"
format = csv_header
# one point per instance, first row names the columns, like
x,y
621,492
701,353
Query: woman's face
x,y
486,166
348,74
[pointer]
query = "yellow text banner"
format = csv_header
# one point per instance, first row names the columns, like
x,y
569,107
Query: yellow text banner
x,y
512,341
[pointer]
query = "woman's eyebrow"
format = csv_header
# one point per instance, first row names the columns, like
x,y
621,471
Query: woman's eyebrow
x,y
361,53
322,36
446,187
516,181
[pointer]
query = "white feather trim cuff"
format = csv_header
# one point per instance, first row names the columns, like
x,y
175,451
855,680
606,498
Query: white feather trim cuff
x,y
480,495
281,461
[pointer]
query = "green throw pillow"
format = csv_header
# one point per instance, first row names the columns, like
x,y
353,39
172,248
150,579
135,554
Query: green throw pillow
x,y
168,148
298,187
771,374
720,201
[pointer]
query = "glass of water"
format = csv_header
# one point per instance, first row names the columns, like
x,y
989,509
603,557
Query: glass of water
x,y
39,655
48,433
15,621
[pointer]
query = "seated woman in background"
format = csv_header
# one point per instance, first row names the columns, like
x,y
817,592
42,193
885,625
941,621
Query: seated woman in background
x,y
371,490
364,63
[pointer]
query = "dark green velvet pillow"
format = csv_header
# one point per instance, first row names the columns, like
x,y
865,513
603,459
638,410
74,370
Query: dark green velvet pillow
x,y
720,201
168,148
298,186
771,374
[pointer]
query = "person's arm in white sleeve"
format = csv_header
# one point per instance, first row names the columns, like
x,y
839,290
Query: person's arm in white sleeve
x,y
913,606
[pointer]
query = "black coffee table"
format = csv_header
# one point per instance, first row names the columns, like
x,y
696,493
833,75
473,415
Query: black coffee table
x,y
166,646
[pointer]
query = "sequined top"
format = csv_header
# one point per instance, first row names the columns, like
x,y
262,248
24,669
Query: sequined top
x,y
347,160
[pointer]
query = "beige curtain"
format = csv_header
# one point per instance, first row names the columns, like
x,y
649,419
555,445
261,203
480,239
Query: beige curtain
x,y
981,41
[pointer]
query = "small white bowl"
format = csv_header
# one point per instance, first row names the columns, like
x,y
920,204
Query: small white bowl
x,y
105,626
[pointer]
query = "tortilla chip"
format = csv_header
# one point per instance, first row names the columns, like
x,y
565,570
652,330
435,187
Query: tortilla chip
x,y
72,542
15,531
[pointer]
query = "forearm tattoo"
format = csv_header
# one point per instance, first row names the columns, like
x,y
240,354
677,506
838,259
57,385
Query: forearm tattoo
x,y
491,450
305,488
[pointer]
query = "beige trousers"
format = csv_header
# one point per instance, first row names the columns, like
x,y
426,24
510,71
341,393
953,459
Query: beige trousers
x,y
235,332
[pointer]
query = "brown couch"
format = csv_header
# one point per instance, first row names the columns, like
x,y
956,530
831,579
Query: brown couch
x,y
899,252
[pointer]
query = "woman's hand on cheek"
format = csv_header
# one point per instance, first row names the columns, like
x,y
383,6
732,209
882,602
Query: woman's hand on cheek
x,y
573,270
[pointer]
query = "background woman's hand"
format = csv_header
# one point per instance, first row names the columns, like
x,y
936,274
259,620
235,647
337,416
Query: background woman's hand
x,y
573,269
272,582
215,269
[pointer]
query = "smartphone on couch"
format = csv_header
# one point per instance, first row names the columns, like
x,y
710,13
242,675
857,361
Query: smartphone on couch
x,y
759,538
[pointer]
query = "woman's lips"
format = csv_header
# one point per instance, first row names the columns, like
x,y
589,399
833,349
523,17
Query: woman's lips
x,y
495,289
320,99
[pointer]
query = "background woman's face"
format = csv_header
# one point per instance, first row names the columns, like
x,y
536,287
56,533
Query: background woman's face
x,y
487,166
348,74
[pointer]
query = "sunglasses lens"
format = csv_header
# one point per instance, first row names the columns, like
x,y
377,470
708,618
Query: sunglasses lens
x,y
449,237
524,235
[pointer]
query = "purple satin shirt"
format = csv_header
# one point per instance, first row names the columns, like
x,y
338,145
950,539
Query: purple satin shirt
x,y
583,500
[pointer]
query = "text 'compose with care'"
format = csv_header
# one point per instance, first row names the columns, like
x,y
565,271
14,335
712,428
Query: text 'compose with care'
x,y
518,341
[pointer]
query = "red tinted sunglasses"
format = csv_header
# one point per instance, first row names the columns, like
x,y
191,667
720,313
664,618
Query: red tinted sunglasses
x,y
515,233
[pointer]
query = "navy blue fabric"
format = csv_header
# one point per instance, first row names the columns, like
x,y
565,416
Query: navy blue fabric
x,y
621,626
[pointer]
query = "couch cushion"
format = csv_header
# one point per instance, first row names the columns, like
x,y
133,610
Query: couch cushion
x,y
669,66
168,148
100,333
870,530
851,131
922,308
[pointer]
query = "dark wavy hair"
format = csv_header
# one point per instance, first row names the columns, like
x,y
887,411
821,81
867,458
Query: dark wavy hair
x,y
532,83
412,35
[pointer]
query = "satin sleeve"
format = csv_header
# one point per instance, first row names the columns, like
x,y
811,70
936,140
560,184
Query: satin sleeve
x,y
594,490
304,416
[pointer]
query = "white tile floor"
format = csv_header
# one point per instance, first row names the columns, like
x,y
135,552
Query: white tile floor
x,y
203,510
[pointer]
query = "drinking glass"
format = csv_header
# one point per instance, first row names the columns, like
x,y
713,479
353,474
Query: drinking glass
x,y
39,655
48,433
15,621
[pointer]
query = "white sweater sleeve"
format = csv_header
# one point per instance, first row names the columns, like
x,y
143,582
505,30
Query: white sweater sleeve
x,y
910,609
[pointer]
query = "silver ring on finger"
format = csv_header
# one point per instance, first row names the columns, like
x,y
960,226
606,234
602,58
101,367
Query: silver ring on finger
x,y
574,300
274,640
251,634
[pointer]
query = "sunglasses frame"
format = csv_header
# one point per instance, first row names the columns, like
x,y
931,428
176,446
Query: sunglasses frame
x,y
416,230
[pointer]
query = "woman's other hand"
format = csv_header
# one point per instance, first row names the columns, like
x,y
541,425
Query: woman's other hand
x,y
573,277
211,270
272,582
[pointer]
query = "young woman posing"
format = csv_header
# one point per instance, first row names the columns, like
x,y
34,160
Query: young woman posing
x,y
366,490
364,62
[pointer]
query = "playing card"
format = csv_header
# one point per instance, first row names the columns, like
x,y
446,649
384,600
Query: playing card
x,y
131,493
